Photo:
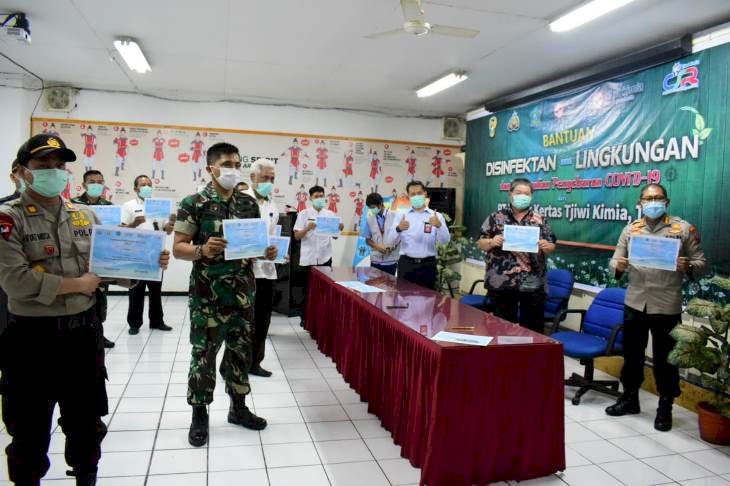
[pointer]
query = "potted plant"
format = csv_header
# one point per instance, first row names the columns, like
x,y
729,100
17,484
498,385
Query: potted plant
x,y
706,348
449,255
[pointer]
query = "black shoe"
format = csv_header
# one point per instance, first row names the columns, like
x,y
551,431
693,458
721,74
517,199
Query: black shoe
x,y
198,435
663,420
239,414
259,371
161,327
108,344
133,330
86,479
627,404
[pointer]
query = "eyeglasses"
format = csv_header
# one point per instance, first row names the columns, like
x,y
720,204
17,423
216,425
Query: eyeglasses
x,y
654,198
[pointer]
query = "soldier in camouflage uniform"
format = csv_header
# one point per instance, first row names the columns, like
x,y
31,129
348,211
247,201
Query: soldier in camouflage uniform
x,y
92,196
221,292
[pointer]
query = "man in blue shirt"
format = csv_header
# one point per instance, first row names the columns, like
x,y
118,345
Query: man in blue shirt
x,y
419,229
379,222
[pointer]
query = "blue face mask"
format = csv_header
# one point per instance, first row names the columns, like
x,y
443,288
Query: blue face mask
x,y
418,201
145,192
264,188
49,182
521,201
94,190
654,209
318,203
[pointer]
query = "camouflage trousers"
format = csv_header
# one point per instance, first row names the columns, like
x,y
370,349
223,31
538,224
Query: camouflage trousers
x,y
210,328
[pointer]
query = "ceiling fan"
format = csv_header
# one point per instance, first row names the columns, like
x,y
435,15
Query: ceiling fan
x,y
415,24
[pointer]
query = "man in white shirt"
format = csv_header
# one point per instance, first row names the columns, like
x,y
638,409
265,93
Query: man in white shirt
x,y
379,222
316,249
418,230
133,217
262,184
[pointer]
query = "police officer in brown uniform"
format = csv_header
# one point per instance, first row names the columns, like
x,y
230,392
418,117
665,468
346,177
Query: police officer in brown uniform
x,y
654,303
52,351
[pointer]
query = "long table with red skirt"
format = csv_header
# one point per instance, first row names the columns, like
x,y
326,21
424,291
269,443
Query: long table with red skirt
x,y
462,414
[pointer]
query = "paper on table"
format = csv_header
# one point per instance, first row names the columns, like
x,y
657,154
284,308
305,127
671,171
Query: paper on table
x,y
521,238
515,339
453,337
126,253
247,238
109,215
328,226
277,230
359,286
654,252
282,245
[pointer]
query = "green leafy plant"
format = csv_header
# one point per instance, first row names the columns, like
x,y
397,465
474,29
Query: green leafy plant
x,y
700,130
447,259
705,347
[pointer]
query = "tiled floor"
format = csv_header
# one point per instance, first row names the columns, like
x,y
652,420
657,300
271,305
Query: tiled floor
x,y
320,434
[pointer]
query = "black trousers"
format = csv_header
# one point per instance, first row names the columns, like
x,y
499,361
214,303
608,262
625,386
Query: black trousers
x,y
422,273
389,268
637,325
300,286
262,318
44,362
525,308
136,304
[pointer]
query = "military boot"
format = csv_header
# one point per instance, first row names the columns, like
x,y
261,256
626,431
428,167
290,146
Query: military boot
x,y
198,435
663,420
86,479
627,403
239,414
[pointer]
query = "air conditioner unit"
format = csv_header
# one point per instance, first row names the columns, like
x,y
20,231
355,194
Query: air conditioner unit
x,y
59,98
453,128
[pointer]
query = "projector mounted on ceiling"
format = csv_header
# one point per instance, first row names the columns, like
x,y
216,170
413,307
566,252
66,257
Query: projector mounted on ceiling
x,y
14,27
415,24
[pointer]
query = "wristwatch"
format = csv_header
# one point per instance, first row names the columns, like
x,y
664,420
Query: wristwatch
x,y
199,252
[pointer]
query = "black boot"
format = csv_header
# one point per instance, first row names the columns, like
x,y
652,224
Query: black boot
x,y
198,435
86,479
239,414
663,420
627,403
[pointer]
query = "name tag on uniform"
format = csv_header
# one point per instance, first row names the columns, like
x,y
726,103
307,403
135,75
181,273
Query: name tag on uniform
x,y
427,228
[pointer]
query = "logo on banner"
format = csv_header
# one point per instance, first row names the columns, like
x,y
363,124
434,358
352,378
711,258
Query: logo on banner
x,y
492,127
682,78
514,122
536,116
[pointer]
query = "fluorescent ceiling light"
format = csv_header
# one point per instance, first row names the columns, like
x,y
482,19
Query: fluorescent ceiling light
x,y
441,84
711,38
132,55
585,13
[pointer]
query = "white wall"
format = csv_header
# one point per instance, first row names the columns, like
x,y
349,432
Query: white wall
x,y
15,108
92,105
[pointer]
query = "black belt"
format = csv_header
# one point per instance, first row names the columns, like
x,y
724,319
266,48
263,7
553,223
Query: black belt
x,y
73,321
419,260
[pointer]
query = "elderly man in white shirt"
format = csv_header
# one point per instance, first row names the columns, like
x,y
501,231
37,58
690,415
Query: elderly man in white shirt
x,y
419,229
133,217
262,184
316,249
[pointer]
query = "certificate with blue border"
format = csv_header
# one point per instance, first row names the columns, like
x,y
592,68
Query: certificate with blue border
x,y
247,238
126,253
157,209
328,225
654,252
282,246
521,238
109,215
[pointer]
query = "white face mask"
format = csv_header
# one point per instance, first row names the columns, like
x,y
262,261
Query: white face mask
x,y
228,178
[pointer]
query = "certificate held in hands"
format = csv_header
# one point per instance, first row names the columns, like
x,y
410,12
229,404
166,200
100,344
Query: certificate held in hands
x,y
126,253
282,247
247,238
654,252
109,215
157,209
328,225
521,238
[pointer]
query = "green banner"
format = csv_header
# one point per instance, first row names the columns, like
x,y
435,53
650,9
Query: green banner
x,y
589,152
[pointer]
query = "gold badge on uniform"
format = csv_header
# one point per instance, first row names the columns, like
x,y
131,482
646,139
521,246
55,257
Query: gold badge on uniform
x,y
52,142
79,219
70,206
675,229
31,208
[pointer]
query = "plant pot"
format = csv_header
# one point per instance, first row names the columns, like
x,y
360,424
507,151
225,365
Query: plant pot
x,y
714,428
